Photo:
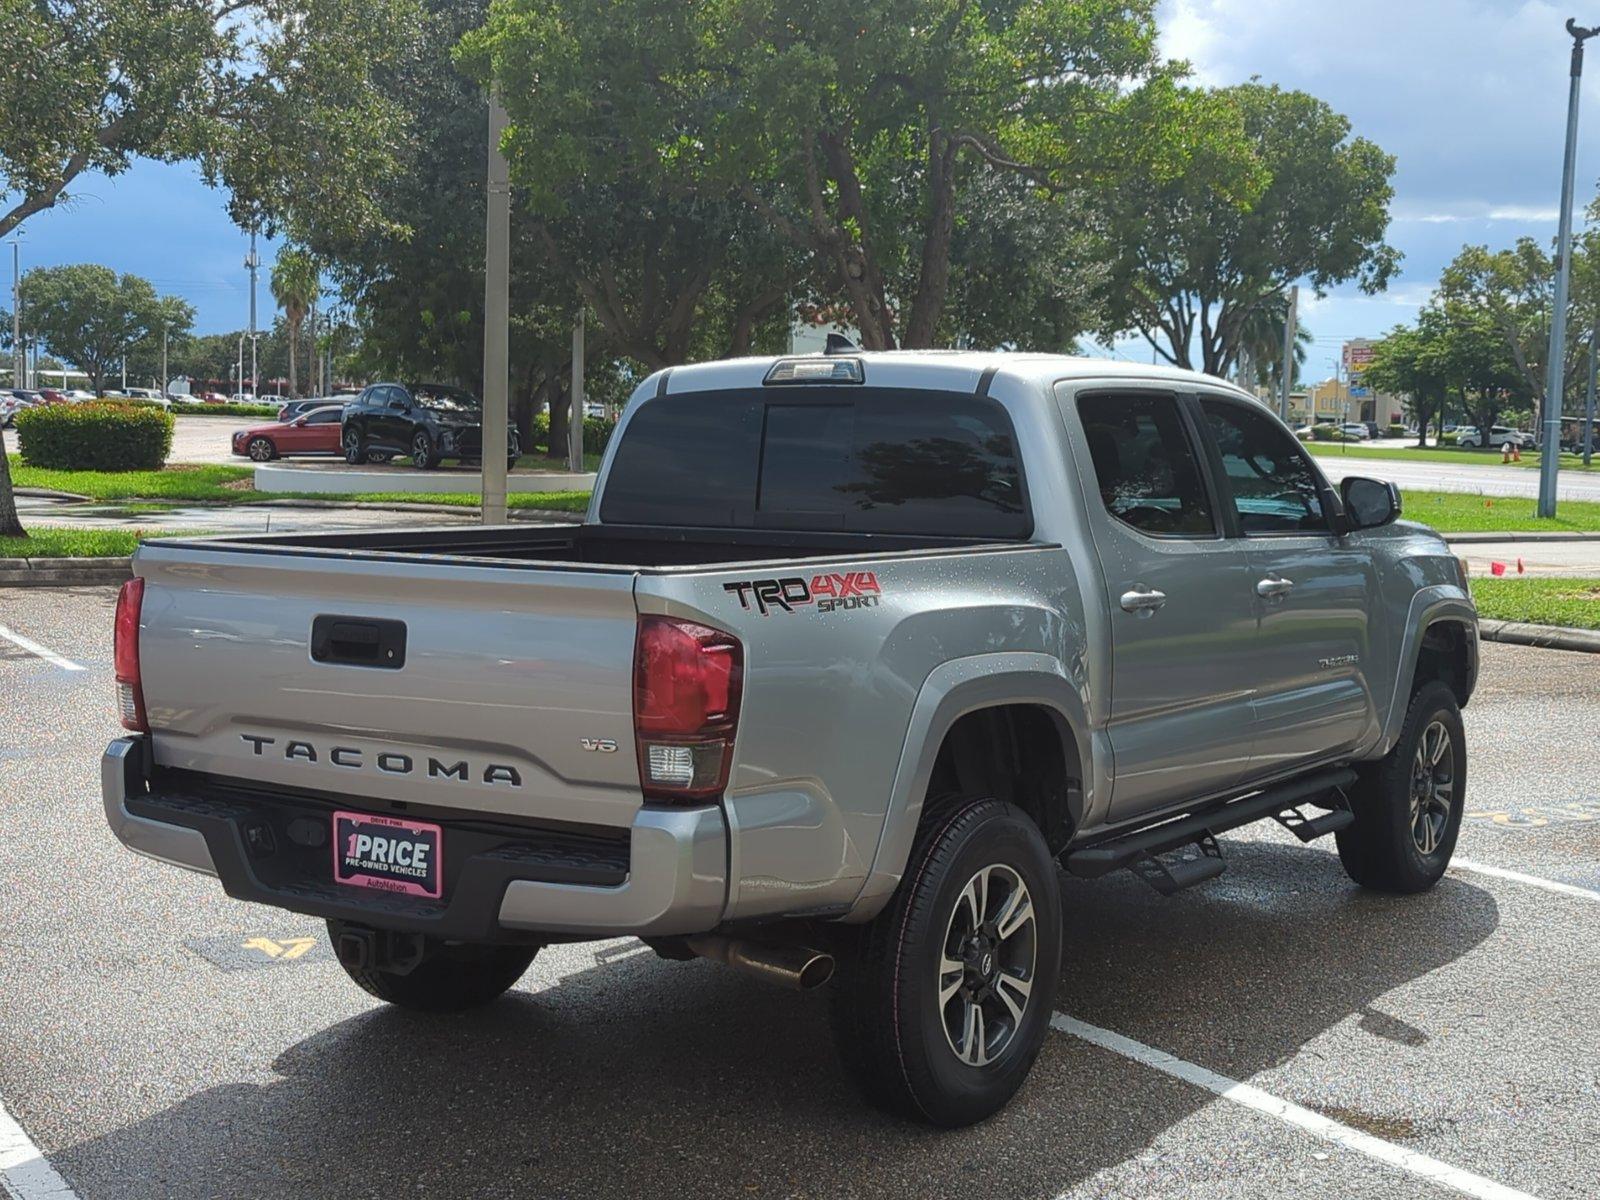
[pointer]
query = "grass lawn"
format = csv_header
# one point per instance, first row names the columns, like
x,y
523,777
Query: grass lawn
x,y
224,484
1460,512
50,542
1453,456
1574,603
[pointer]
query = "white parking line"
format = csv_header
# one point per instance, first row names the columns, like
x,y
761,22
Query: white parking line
x,y
1549,885
44,652
1290,1114
24,1172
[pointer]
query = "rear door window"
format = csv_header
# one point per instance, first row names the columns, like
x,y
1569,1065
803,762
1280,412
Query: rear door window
x,y
1145,464
878,460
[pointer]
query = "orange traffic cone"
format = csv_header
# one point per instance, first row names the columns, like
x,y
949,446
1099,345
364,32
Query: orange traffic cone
x,y
1505,453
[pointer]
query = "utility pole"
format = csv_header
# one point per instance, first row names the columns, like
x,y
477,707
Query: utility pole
x,y
575,420
124,374
496,321
239,369
253,262
163,360
1288,351
1588,403
1550,442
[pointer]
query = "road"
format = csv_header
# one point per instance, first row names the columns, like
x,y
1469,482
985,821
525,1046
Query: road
x,y
1387,1042
1491,479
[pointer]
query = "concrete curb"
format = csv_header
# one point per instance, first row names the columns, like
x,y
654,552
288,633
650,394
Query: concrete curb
x,y
63,572
52,494
1478,539
1544,637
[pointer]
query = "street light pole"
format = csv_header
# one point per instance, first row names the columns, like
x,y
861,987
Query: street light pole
x,y
1550,442
1288,350
16,313
496,321
253,262
1588,403
163,360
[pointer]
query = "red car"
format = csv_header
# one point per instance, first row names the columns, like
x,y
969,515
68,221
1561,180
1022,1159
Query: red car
x,y
315,432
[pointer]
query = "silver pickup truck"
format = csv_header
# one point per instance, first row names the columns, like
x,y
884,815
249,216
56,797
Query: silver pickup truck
x,y
849,655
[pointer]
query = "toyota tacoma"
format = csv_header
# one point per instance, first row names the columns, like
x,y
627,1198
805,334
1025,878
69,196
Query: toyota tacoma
x,y
851,655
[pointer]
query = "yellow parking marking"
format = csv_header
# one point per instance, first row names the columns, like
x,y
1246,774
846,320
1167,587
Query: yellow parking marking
x,y
286,949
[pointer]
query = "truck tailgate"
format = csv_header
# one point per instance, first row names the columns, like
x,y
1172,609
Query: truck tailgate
x,y
513,694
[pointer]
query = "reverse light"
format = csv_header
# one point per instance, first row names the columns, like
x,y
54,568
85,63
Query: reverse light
x,y
125,657
687,682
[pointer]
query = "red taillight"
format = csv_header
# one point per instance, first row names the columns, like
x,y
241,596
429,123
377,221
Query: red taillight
x,y
125,657
687,680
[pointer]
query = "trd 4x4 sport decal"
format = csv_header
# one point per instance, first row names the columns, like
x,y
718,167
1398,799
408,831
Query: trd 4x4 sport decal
x,y
830,592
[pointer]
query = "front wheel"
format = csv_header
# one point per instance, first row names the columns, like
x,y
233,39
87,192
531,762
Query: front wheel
x,y
451,976
1408,806
943,1001
261,450
423,455
355,451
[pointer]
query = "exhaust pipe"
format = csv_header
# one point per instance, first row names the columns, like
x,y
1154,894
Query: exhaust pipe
x,y
787,966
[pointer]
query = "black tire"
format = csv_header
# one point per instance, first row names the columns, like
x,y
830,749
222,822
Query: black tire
x,y
261,449
355,446
895,1038
424,455
1407,814
452,977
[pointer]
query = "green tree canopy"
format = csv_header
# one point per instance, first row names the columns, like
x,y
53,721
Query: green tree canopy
x,y
851,130
296,284
1416,362
1192,264
276,99
91,316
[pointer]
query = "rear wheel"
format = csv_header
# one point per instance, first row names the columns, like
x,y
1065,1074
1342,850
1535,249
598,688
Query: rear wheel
x,y
943,1001
1408,806
261,450
423,455
451,976
355,450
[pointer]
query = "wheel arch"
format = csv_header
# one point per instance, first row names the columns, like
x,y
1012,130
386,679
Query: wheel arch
x,y
1440,642
1011,725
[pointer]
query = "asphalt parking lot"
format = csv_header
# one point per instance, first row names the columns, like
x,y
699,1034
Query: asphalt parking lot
x,y
1367,1046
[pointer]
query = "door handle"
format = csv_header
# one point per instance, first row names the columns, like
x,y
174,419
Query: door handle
x,y
1274,589
1143,602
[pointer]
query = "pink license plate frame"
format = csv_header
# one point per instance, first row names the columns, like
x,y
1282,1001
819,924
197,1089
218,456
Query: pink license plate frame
x,y
388,854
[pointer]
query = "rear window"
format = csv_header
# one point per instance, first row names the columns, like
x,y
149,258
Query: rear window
x,y
872,460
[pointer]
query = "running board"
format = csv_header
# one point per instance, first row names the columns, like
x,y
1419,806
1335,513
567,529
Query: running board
x,y
1092,862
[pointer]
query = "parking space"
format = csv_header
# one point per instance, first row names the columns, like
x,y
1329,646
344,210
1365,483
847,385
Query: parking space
x,y
160,1040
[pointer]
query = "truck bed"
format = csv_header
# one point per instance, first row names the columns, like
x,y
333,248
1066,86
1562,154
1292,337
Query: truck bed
x,y
628,548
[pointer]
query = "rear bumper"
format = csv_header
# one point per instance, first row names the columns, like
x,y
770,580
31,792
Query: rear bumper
x,y
665,875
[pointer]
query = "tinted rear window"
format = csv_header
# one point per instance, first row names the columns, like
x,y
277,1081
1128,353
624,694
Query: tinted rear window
x,y
875,460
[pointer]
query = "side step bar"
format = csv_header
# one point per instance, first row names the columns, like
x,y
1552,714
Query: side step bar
x,y
1143,845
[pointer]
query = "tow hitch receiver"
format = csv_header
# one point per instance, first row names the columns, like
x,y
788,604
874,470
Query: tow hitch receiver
x,y
362,949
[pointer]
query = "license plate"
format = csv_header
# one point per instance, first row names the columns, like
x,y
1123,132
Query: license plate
x,y
388,854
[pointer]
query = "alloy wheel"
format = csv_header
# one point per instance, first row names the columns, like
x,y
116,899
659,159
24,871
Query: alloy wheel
x,y
1433,782
986,965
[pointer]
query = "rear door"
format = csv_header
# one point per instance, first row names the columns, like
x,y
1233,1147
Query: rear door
x,y
1314,591
1179,593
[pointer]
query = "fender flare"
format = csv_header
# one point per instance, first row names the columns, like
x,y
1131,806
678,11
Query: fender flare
x,y
950,692
1429,607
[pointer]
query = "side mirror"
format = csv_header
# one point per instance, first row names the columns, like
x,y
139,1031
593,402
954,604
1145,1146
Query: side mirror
x,y
1369,503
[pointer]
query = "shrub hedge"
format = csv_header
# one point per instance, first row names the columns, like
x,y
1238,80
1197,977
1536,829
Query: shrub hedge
x,y
185,408
1397,430
597,432
1327,433
96,435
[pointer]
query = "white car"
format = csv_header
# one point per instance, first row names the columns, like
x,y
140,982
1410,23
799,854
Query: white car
x,y
1500,436
1355,430
78,395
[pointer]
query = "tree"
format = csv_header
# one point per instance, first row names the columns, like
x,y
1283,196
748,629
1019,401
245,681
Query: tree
x,y
1259,344
274,99
1192,265
850,129
93,317
1417,363
1512,289
296,283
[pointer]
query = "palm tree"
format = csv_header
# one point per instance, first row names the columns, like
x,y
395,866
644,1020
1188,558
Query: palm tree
x,y
295,285
1260,342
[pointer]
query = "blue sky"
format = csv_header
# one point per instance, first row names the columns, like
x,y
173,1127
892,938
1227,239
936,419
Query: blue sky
x,y
1470,96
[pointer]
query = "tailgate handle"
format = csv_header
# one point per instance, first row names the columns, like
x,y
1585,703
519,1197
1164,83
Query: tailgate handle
x,y
359,641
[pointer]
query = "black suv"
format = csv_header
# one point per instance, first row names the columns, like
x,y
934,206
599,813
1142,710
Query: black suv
x,y
428,421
